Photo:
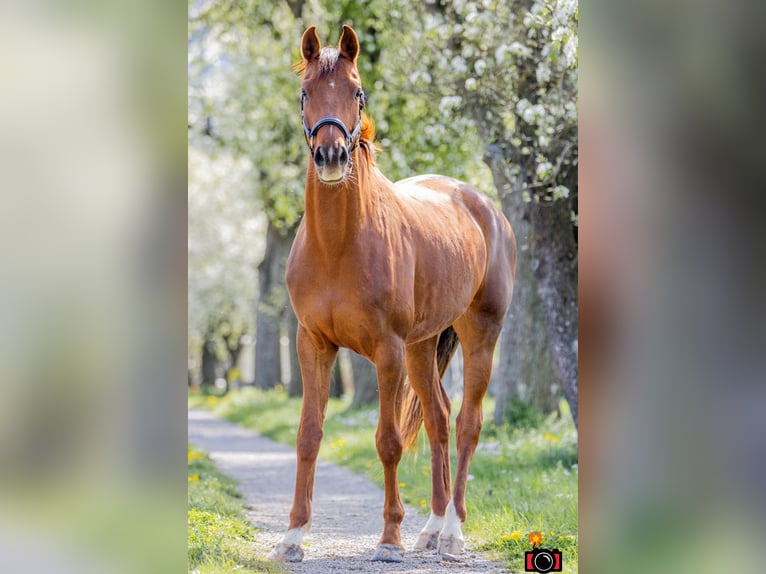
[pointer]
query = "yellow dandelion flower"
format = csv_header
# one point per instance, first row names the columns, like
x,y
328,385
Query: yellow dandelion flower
x,y
548,436
506,537
555,439
190,456
194,477
423,502
515,535
402,484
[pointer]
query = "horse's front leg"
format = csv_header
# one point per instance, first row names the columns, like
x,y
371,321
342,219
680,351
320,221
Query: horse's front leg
x,y
390,368
316,356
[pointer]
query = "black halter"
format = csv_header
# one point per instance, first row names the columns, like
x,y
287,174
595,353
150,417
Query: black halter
x,y
352,139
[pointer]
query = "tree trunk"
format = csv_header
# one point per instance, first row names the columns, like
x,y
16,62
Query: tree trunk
x,y
234,348
555,268
365,382
209,363
272,301
336,381
525,370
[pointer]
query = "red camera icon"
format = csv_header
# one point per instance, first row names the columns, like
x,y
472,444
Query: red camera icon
x,y
542,560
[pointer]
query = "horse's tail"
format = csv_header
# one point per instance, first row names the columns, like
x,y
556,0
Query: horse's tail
x,y
412,412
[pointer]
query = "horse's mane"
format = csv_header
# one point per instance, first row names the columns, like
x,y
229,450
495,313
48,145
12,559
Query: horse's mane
x,y
328,59
367,140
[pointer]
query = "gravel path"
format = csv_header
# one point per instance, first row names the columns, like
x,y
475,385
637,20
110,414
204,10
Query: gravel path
x,y
347,508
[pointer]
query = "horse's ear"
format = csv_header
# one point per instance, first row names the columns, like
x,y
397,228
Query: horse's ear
x,y
349,43
310,44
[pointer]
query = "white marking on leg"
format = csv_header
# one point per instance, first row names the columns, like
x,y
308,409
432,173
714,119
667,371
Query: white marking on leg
x,y
430,533
435,523
451,540
452,522
293,537
289,549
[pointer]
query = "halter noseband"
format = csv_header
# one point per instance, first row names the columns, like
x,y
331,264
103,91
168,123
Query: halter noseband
x,y
352,139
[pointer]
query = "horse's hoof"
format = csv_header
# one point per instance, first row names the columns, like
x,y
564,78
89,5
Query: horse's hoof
x,y
388,553
286,553
427,541
450,545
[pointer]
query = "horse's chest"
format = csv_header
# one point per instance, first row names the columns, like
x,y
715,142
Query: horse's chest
x,y
344,286
345,299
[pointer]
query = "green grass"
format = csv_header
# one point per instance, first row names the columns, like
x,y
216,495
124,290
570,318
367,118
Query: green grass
x,y
524,479
219,534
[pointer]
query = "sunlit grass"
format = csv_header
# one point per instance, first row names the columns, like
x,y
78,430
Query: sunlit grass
x,y
219,534
522,480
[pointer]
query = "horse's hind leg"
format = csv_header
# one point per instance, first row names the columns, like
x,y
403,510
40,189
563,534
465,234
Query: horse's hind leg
x,y
316,358
424,379
478,334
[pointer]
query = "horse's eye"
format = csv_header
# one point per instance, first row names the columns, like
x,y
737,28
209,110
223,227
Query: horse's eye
x,y
304,95
360,95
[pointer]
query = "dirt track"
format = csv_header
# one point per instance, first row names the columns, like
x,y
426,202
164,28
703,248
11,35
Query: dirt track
x,y
347,509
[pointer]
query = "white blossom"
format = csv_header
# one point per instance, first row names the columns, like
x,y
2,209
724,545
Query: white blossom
x,y
543,73
501,51
543,169
448,104
458,65
570,50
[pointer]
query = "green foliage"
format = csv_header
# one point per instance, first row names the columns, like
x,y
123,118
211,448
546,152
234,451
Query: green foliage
x,y
505,70
219,534
523,478
521,414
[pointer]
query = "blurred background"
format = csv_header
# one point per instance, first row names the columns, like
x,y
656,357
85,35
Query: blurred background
x,y
93,306
92,295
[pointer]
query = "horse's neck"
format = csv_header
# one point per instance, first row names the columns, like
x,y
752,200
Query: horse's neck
x,y
336,215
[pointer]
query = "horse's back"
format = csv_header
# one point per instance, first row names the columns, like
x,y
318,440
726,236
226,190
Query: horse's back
x,y
432,191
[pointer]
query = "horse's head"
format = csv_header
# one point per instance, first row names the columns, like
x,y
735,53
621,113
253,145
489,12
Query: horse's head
x,y
331,103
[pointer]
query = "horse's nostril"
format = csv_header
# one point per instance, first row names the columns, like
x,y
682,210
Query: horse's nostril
x,y
343,157
319,158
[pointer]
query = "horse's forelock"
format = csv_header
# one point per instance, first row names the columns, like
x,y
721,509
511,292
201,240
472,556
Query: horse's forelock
x,y
328,59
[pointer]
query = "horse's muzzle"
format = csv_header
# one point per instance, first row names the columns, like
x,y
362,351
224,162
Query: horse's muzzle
x,y
331,162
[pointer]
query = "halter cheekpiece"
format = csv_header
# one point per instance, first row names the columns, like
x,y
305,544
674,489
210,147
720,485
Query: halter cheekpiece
x,y
352,138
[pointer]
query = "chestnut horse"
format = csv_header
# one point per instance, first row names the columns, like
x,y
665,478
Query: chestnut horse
x,y
398,273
